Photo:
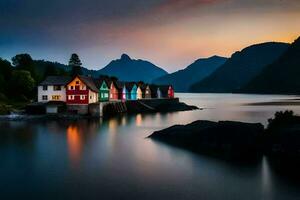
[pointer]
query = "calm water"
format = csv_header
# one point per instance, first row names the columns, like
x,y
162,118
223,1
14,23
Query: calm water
x,y
111,159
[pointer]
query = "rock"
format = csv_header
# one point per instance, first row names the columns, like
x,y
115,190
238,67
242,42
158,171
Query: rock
x,y
225,138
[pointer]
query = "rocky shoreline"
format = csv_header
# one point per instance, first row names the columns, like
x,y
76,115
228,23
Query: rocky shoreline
x,y
132,109
229,139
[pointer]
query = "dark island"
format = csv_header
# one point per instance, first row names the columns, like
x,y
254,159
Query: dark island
x,y
228,139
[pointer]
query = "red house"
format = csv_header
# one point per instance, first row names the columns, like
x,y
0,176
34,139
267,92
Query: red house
x,y
171,92
114,92
81,91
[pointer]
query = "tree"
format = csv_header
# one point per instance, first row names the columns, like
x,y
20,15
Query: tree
x,y
5,74
25,62
75,63
22,84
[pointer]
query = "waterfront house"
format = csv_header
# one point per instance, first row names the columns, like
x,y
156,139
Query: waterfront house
x,y
147,92
81,90
123,92
140,94
170,92
132,90
113,91
53,88
103,84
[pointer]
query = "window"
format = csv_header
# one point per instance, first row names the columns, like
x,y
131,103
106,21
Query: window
x,y
83,87
77,82
44,97
71,97
105,95
91,97
55,97
45,87
82,97
71,87
56,87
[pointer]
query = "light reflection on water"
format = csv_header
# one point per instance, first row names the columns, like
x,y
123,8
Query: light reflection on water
x,y
112,159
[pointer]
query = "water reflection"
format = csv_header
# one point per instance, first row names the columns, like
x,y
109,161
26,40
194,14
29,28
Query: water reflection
x,y
111,158
74,143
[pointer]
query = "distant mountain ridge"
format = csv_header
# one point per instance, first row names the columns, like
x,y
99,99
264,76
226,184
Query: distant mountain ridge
x,y
127,69
183,79
280,77
241,68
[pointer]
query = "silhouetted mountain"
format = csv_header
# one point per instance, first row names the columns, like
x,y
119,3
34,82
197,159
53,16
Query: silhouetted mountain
x,y
183,79
282,76
241,68
127,69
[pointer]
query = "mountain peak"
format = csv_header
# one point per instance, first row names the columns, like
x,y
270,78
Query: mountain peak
x,y
125,57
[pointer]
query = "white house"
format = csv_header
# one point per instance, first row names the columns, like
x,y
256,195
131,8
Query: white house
x,y
53,88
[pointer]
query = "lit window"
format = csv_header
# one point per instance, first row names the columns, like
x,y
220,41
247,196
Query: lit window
x,y
55,97
45,87
71,97
45,97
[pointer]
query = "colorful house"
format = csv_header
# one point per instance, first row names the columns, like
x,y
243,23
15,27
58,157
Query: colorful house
x,y
140,93
171,92
53,88
132,90
166,91
123,92
82,91
147,92
103,85
113,91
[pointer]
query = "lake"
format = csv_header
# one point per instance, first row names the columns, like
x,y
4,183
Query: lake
x,y
112,159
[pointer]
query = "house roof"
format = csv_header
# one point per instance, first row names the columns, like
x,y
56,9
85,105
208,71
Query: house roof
x,y
89,81
129,85
56,80
98,81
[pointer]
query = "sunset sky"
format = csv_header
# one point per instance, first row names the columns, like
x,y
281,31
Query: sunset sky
x,y
169,33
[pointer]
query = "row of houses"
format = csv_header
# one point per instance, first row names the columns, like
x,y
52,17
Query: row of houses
x,y
84,90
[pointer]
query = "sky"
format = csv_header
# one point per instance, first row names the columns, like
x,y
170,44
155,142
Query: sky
x,y
170,33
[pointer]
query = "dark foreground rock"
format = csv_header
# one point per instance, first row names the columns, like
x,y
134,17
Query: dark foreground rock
x,y
280,141
224,138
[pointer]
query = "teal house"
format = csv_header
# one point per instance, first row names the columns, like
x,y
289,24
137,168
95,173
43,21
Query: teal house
x,y
103,90
131,91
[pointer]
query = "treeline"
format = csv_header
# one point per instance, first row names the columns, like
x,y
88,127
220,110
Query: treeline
x,y
19,78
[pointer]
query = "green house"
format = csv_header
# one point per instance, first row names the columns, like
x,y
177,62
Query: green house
x,y
103,91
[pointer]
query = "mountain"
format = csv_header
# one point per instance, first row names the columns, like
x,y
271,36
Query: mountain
x,y
127,69
280,77
183,79
241,68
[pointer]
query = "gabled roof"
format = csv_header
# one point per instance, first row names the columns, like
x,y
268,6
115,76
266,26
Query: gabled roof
x,y
89,81
129,85
99,81
119,84
56,80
